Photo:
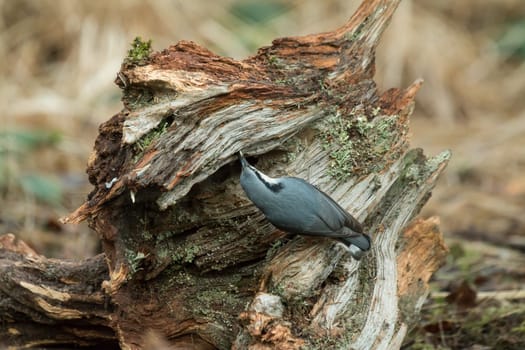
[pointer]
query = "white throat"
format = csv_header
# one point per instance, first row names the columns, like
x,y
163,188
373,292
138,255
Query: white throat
x,y
268,179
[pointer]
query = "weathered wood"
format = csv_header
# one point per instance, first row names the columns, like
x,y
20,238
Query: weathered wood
x,y
45,302
189,256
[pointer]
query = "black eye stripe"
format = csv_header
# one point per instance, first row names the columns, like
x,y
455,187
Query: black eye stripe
x,y
273,187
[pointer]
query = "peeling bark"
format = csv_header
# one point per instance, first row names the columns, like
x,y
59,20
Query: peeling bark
x,y
186,254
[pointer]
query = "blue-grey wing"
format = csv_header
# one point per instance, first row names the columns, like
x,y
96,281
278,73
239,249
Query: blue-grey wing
x,y
325,216
348,220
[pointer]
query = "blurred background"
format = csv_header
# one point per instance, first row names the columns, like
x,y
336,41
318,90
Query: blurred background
x,y
60,57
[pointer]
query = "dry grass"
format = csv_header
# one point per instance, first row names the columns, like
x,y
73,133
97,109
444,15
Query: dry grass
x,y
60,58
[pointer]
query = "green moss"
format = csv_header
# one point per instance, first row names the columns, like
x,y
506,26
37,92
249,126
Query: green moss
x,y
147,235
415,165
217,300
139,52
295,146
358,146
134,260
185,253
179,278
162,252
436,161
213,298
176,250
413,174
164,235
146,140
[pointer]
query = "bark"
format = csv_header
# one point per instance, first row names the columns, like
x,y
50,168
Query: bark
x,y
186,254
48,302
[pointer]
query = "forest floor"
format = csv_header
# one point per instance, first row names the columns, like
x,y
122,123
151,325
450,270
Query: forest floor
x,y
60,59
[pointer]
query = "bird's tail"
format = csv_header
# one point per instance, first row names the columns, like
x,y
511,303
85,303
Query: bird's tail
x,y
357,244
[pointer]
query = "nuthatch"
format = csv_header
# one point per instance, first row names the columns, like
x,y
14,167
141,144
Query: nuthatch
x,y
295,206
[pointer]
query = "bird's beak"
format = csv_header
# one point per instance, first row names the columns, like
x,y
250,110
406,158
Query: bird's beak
x,y
242,159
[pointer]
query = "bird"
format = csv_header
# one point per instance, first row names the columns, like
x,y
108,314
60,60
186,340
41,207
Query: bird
x,y
293,205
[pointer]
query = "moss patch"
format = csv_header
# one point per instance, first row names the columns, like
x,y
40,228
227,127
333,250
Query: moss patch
x,y
139,52
134,260
147,140
359,145
185,253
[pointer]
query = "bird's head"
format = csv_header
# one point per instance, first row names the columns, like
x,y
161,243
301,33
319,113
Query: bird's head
x,y
244,162
254,180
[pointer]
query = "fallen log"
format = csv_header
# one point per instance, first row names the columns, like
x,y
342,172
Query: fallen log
x,y
188,256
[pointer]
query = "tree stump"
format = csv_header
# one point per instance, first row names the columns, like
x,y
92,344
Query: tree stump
x,y
188,256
